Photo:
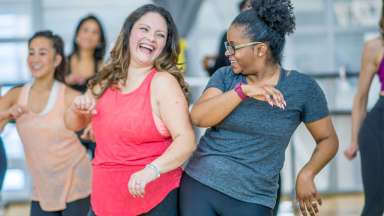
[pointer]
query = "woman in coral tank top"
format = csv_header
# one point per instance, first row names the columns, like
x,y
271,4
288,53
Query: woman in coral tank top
x,y
139,114
58,163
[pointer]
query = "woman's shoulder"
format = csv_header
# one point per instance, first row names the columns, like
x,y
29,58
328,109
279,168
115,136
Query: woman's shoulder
x,y
163,79
299,78
13,94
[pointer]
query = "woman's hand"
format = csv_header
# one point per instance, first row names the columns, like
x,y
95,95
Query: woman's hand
x,y
266,93
16,111
139,179
307,195
75,79
88,133
84,104
351,152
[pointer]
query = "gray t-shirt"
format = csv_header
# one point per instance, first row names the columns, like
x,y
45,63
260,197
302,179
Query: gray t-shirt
x,y
243,155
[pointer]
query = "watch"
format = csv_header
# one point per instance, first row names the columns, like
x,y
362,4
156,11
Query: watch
x,y
239,91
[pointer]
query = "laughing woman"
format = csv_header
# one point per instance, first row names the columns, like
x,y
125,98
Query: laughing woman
x,y
140,120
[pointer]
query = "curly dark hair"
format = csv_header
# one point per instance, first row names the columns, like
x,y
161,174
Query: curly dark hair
x,y
268,21
115,71
58,46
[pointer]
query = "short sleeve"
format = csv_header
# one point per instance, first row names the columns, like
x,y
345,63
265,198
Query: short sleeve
x,y
218,79
315,105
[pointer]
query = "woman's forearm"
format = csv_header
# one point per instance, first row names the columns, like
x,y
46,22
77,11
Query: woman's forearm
x,y
4,119
359,111
75,121
177,153
212,111
325,150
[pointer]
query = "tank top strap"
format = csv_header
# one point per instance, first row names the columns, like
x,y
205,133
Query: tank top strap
x,y
148,80
60,100
380,73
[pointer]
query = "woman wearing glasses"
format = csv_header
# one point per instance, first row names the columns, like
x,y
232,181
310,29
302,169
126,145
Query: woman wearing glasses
x,y
251,110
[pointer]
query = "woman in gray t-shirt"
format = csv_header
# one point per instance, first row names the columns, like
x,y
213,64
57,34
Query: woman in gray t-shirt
x,y
251,110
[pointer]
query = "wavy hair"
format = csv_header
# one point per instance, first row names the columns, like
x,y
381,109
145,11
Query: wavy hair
x,y
114,72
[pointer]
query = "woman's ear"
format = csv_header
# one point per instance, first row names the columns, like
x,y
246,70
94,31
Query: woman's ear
x,y
261,50
58,60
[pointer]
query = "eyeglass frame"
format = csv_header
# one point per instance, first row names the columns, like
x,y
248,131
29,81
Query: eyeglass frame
x,y
236,47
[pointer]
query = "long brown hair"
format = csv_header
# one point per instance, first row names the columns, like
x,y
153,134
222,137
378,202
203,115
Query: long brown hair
x,y
115,71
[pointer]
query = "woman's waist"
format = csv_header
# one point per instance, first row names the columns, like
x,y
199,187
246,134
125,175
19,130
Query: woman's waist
x,y
105,171
380,101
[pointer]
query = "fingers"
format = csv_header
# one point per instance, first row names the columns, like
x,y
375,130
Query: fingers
x,y
311,205
135,187
274,97
351,152
318,198
84,104
17,111
302,208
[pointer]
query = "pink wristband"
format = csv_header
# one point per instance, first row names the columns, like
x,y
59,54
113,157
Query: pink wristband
x,y
239,91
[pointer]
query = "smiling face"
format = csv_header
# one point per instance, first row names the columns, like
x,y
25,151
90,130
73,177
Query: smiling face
x,y
248,58
42,58
148,39
88,36
242,58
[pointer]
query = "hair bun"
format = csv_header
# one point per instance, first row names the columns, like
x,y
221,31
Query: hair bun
x,y
277,14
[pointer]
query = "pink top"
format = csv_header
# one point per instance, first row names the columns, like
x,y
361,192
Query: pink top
x,y
60,168
380,73
127,139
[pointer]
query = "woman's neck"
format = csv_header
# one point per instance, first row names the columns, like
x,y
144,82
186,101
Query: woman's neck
x,y
43,84
85,54
134,71
269,74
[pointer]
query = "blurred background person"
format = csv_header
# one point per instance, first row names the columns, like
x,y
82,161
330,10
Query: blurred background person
x,y
86,58
367,128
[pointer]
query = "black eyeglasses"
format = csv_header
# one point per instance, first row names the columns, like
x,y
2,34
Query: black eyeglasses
x,y
232,48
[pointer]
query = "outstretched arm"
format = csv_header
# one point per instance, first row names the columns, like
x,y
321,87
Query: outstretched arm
x,y
8,108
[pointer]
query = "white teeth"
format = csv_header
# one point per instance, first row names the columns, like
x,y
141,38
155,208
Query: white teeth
x,y
146,46
37,67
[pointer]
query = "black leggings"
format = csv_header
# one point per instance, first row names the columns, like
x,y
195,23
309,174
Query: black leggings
x,y
79,208
3,163
371,145
168,207
199,199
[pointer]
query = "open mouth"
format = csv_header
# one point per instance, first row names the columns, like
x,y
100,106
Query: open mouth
x,y
36,67
146,48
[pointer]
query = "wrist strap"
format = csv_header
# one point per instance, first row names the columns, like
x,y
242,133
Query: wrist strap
x,y
155,168
239,91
